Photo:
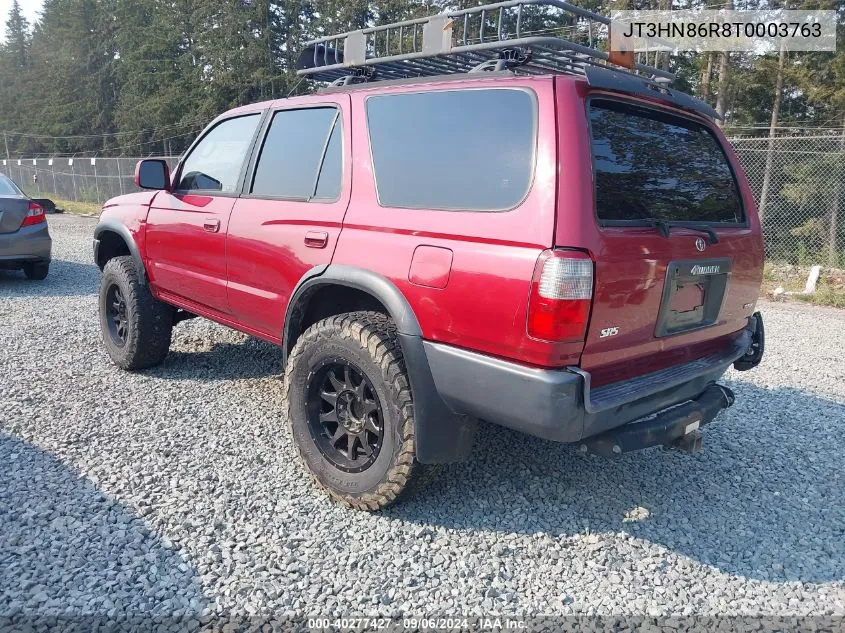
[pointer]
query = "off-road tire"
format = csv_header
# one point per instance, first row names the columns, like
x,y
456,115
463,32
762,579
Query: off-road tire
x,y
36,270
369,340
149,322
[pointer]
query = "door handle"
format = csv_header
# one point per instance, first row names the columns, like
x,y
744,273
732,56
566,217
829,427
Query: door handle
x,y
212,226
316,239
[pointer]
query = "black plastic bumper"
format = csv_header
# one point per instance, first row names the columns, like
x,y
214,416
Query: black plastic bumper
x,y
754,355
561,405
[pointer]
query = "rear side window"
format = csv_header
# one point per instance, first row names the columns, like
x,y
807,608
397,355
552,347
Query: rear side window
x,y
652,165
453,150
215,163
302,156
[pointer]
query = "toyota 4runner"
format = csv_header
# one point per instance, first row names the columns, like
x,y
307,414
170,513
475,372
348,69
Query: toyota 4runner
x,y
545,242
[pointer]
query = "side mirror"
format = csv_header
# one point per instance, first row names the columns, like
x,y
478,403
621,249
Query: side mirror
x,y
152,174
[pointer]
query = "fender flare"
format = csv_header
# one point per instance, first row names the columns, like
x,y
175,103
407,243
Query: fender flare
x,y
114,226
443,436
367,281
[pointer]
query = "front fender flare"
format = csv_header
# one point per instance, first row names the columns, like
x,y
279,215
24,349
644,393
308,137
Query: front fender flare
x,y
114,226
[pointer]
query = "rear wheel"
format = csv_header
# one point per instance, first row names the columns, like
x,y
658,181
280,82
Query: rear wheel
x,y
36,270
136,328
350,409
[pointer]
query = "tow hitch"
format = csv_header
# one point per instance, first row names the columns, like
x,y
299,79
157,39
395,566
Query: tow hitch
x,y
677,428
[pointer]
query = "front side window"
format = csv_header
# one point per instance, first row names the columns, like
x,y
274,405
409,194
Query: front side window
x,y
453,150
302,157
215,163
652,165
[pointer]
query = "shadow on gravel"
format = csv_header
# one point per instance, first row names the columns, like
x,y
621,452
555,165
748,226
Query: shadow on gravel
x,y
66,550
66,279
252,358
763,500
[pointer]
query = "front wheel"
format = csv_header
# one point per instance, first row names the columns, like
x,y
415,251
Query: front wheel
x,y
136,328
350,409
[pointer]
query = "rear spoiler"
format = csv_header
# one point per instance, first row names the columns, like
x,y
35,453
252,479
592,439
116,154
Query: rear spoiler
x,y
607,79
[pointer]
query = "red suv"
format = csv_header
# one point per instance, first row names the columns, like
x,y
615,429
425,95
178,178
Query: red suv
x,y
575,256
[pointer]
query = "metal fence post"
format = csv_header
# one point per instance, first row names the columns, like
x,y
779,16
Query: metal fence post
x,y
119,175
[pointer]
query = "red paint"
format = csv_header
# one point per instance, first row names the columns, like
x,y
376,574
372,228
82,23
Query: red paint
x,y
467,276
430,266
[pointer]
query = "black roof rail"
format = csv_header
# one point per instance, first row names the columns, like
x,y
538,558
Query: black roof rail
x,y
527,36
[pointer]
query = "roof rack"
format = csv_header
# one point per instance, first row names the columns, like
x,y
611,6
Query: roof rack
x,y
528,36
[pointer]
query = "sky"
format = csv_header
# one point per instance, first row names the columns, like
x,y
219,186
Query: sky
x,y
30,10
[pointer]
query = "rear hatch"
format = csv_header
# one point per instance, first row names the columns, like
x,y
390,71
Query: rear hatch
x,y
13,207
678,257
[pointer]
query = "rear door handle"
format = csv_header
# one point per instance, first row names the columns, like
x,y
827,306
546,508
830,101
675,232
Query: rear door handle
x,y
212,226
316,239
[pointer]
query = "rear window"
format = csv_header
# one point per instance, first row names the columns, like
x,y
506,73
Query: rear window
x,y
453,150
7,188
652,165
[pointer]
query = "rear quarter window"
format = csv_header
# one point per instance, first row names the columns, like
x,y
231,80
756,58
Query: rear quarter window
x,y
649,164
454,150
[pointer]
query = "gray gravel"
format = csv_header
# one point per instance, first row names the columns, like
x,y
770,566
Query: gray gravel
x,y
176,490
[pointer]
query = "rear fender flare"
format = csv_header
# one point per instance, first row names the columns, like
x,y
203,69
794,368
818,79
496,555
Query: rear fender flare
x,y
442,435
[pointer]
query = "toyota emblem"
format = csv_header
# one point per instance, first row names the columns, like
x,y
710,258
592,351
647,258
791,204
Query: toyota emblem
x,y
700,244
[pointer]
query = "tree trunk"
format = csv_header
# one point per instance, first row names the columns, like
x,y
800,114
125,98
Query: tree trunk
x,y
664,58
722,99
705,77
832,254
767,172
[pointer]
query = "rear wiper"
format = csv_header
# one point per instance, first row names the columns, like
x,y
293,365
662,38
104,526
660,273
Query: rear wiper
x,y
664,226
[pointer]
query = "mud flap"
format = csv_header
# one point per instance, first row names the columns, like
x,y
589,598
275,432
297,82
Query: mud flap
x,y
754,355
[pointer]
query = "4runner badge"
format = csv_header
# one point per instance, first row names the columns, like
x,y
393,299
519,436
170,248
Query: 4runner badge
x,y
704,270
609,331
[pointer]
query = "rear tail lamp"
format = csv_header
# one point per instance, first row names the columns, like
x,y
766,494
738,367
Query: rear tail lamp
x,y
34,215
561,294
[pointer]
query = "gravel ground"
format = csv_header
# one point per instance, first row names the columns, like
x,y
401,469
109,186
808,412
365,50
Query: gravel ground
x,y
176,490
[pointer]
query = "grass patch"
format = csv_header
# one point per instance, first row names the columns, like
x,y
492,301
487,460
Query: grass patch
x,y
826,295
830,290
69,206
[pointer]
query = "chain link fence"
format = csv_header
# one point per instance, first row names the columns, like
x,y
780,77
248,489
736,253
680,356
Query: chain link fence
x,y
797,180
86,179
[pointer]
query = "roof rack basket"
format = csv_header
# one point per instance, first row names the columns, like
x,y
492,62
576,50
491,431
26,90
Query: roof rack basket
x,y
529,36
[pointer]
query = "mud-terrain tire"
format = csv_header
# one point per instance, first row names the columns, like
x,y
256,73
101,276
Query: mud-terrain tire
x,y
324,400
135,327
36,271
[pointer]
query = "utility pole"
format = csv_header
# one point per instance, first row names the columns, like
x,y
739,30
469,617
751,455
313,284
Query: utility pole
x,y
6,143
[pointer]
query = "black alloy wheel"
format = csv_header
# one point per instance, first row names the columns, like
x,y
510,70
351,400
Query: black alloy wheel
x,y
344,415
118,321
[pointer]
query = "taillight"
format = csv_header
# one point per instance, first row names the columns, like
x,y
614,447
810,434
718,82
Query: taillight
x,y
34,215
561,294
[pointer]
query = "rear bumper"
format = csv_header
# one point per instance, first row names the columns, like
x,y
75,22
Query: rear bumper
x,y
30,243
560,405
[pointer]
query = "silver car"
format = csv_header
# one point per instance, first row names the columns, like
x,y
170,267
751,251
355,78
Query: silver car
x,y
24,238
